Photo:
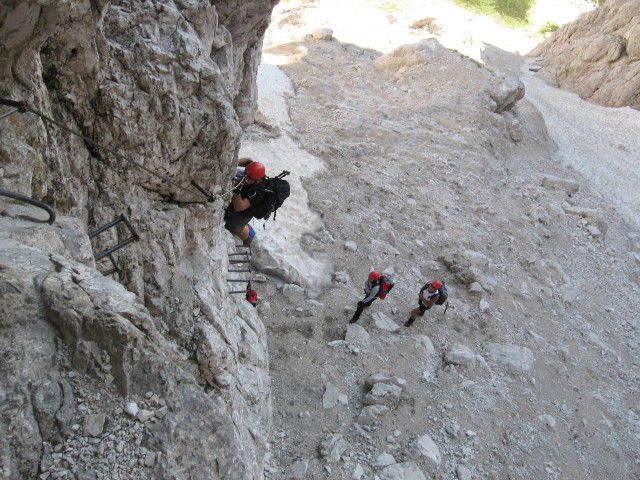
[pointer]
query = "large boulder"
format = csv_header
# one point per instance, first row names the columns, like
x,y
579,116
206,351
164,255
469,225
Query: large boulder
x,y
596,55
514,358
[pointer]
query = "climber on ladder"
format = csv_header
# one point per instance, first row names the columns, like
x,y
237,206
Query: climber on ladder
x,y
255,196
378,285
432,293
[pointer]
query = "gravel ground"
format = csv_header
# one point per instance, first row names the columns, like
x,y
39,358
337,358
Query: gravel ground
x,y
601,143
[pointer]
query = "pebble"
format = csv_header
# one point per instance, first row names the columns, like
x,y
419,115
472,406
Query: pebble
x,y
341,277
322,34
463,473
149,459
131,409
299,468
427,447
384,460
548,420
144,415
358,472
351,246
93,424
484,305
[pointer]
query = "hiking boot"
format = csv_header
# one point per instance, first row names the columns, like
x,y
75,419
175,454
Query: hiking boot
x,y
409,322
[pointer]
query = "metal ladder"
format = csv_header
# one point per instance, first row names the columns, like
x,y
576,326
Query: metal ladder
x,y
108,252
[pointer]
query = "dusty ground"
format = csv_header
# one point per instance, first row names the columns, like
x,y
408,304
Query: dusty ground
x,y
428,182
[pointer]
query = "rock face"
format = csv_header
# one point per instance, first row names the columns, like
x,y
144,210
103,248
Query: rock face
x,y
167,84
597,55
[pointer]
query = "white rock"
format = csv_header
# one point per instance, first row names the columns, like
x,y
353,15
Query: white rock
x,y
144,415
384,377
556,183
461,355
594,231
357,336
548,420
358,472
427,447
343,399
371,413
383,322
299,468
331,396
150,459
383,394
293,292
93,425
402,471
341,277
322,34
384,460
425,344
463,473
333,448
484,305
350,246
131,409
516,359
453,429
475,287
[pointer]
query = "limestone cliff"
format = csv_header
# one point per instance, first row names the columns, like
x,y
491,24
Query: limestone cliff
x,y
168,84
598,55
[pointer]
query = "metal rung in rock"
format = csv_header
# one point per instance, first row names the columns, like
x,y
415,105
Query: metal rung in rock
x,y
111,250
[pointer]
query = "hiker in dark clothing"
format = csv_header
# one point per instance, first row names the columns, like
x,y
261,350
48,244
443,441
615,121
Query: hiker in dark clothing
x,y
376,286
432,293
258,196
241,209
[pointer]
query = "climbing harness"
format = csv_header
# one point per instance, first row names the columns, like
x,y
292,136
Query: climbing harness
x,y
35,203
23,107
111,250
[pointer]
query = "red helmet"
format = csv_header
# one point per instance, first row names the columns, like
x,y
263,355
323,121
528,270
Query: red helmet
x,y
255,171
436,284
374,276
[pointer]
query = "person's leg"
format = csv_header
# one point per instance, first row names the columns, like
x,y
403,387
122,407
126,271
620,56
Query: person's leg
x,y
414,314
238,225
359,310
247,235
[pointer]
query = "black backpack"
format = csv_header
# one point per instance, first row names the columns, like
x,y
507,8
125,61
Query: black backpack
x,y
443,295
269,195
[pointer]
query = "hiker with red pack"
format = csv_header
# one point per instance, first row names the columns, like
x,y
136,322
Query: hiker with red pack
x,y
378,285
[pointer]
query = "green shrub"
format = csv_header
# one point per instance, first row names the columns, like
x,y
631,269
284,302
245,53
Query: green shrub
x,y
510,11
549,27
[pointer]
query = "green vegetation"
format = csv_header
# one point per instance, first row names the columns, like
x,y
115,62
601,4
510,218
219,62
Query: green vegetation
x,y
512,12
549,27
390,7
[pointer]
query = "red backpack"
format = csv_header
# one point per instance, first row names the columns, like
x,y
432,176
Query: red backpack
x,y
386,284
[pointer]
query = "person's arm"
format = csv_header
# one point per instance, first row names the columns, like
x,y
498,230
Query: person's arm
x,y
431,301
421,294
372,294
240,204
